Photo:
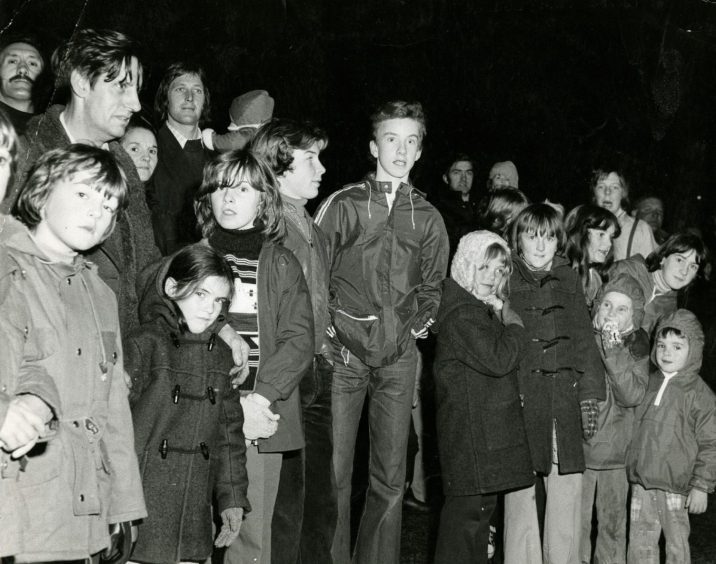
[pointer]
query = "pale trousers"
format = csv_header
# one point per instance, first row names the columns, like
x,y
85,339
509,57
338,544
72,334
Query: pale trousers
x,y
561,522
253,545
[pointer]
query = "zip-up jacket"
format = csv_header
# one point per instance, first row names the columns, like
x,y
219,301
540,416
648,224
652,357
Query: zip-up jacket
x,y
388,265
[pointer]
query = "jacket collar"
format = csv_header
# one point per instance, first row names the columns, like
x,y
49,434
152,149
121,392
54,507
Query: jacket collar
x,y
23,242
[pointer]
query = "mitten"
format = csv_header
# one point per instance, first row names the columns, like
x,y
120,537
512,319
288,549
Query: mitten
x,y
231,524
590,416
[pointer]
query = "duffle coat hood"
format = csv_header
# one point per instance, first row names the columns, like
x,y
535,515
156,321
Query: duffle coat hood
x,y
481,432
188,432
59,336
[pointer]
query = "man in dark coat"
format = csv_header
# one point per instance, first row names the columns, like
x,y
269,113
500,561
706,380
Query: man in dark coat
x,y
457,203
181,103
103,74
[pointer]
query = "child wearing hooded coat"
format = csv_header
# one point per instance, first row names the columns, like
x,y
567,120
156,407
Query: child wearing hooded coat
x,y
481,433
672,457
624,348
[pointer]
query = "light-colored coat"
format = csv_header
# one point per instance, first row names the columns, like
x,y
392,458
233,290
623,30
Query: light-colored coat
x,y
59,340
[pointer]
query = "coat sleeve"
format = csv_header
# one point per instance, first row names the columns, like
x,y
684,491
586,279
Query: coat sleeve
x,y
591,383
232,480
481,345
703,476
433,267
628,371
126,501
281,371
137,365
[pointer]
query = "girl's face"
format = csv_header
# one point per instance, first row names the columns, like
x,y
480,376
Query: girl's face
x,y
141,145
538,250
202,307
75,217
609,192
5,166
615,308
236,207
599,245
672,353
488,276
679,269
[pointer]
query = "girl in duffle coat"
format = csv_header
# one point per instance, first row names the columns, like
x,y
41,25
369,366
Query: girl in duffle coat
x,y
187,416
61,366
481,434
560,370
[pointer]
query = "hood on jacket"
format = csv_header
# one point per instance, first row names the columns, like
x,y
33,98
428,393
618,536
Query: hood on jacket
x,y
470,254
627,285
687,323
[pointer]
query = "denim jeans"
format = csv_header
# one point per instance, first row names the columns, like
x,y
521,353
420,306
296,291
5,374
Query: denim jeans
x,y
304,517
651,511
610,488
390,389
464,529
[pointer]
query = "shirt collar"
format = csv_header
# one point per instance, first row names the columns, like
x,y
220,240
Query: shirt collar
x,y
104,146
181,139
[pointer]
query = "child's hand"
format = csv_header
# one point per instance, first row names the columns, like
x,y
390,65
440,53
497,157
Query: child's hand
x,y
259,421
509,316
24,424
231,525
697,501
239,352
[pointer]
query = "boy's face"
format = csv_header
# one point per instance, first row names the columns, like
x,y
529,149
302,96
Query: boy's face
x,y
672,352
110,105
5,170
75,217
616,308
396,147
202,307
303,179
185,99
538,250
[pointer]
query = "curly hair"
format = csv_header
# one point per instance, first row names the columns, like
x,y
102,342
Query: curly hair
x,y
276,140
228,169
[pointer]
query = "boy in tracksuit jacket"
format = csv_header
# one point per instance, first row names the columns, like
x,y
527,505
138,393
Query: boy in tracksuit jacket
x,y
389,251
672,457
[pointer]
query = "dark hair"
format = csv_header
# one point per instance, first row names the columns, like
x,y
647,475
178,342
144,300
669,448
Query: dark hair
x,y
228,169
458,158
497,209
57,165
577,225
189,267
174,71
683,242
28,38
600,174
93,53
540,218
666,331
399,109
137,121
276,140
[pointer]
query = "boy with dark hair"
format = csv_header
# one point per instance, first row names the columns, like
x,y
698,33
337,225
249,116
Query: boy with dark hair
x,y
304,518
389,251
672,457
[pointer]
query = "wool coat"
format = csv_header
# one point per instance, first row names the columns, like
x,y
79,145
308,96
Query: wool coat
x,y
481,432
561,364
130,247
188,434
59,340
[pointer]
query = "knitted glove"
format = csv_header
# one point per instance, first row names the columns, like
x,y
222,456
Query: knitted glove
x,y
231,524
590,415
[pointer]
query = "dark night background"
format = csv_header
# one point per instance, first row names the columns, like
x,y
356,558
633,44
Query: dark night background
x,y
557,86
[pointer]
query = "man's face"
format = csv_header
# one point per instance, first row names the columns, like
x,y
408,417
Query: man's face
x,y
303,179
110,105
651,210
185,99
20,65
396,148
459,177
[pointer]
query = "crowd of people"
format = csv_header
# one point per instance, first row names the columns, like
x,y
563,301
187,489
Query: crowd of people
x,y
186,353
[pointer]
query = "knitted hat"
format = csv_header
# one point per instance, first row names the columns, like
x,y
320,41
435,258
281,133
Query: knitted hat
x,y
251,109
471,252
688,324
627,285
508,170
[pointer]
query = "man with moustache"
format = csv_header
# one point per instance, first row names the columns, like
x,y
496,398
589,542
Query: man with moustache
x,y
20,66
182,104
102,72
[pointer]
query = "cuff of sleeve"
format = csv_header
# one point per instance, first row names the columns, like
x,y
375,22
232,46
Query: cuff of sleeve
x,y
267,391
703,485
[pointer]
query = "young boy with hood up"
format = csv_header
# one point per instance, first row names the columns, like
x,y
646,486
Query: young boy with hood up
x,y
624,348
672,457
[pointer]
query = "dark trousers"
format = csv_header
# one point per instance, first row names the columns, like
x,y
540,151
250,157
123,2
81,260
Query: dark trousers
x,y
464,529
305,514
